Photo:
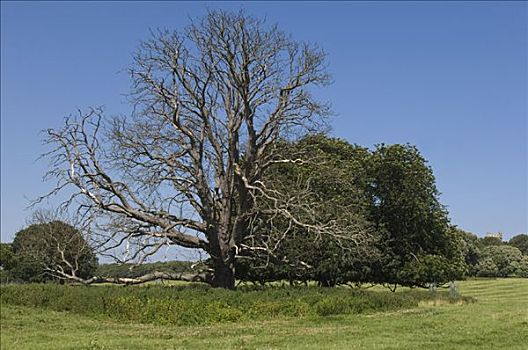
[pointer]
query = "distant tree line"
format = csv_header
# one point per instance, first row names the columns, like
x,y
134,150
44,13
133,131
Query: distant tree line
x,y
491,257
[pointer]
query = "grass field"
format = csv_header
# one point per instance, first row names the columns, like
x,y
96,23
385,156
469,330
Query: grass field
x,y
498,320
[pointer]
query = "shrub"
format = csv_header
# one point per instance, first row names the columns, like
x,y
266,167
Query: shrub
x,y
502,261
487,268
51,246
520,242
199,304
430,269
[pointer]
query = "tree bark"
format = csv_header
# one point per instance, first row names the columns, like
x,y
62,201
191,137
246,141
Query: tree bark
x,y
224,274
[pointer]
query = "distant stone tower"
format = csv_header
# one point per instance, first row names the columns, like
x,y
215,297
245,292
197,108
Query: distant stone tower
x,y
494,235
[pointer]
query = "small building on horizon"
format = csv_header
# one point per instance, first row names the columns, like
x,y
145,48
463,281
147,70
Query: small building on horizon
x,y
495,235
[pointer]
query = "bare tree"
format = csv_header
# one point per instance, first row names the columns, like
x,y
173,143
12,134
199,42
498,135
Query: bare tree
x,y
186,168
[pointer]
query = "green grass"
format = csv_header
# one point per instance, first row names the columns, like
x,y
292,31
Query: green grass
x,y
498,320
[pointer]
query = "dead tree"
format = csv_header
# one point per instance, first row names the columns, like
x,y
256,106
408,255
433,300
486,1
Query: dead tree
x,y
186,167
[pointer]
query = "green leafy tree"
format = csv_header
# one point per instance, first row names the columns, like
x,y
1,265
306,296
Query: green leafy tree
x,y
487,268
520,267
7,262
413,225
7,258
501,261
490,241
335,176
520,242
388,195
52,250
430,269
471,251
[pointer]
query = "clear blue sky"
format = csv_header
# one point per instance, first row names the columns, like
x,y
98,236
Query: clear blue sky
x,y
449,77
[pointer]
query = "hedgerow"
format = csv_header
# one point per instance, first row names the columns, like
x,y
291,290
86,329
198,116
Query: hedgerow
x,y
200,304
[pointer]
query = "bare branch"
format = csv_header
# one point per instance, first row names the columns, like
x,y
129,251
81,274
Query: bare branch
x,y
210,105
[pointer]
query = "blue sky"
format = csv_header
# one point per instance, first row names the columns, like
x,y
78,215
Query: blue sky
x,y
448,77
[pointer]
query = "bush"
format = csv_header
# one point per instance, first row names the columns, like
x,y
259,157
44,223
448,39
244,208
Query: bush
x,y
200,304
44,247
520,242
502,261
430,269
520,268
487,268
7,257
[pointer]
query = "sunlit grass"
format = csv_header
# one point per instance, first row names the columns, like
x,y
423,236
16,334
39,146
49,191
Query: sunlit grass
x,y
498,320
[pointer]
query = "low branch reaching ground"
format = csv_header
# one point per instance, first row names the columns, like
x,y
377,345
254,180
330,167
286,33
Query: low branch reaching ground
x,y
157,275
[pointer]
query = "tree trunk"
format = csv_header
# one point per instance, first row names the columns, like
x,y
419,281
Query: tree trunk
x,y
224,275
222,251
327,282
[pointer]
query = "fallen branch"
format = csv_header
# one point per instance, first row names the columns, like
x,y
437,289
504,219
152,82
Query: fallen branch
x,y
180,276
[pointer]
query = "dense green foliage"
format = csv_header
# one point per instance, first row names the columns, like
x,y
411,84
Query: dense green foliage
x,y
200,304
39,248
429,269
7,257
520,242
417,242
335,179
398,232
471,250
489,241
490,257
502,261
7,261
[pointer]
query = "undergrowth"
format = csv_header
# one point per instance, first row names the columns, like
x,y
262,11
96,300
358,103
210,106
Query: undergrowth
x,y
200,304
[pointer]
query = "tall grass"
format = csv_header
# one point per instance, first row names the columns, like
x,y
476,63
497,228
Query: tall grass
x,y
199,304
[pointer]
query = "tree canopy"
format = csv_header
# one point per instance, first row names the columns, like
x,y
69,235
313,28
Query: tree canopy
x,y
520,242
211,103
502,261
333,176
399,231
43,250
7,256
413,225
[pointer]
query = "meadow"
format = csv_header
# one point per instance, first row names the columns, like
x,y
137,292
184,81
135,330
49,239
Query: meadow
x,y
492,314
